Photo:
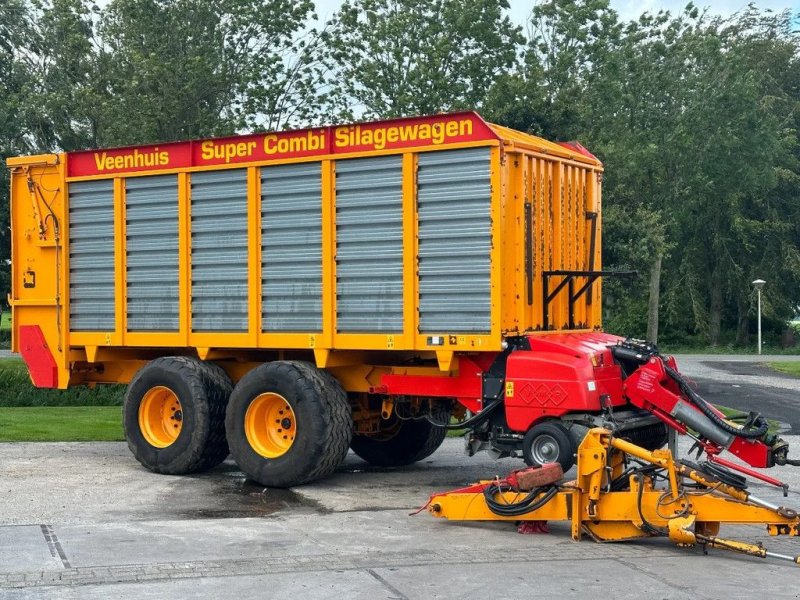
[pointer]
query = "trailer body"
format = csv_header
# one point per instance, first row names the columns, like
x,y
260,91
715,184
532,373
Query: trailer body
x,y
354,245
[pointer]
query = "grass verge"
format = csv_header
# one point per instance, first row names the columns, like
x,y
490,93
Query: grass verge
x,y
738,416
16,389
61,424
736,350
792,368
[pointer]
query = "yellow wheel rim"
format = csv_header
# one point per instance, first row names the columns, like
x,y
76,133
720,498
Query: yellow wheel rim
x,y
270,425
160,417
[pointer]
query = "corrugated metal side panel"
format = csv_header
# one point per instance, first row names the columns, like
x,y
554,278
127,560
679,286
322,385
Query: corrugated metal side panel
x,y
219,251
454,201
291,247
151,228
91,256
369,245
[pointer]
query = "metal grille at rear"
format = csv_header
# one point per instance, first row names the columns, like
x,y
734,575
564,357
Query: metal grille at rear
x,y
369,245
219,251
291,247
91,256
151,230
454,200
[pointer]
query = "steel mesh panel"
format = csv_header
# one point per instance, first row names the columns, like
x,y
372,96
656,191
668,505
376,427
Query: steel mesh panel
x,y
151,230
291,247
454,200
91,256
219,251
369,245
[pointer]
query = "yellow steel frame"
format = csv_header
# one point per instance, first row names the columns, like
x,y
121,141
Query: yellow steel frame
x,y
687,517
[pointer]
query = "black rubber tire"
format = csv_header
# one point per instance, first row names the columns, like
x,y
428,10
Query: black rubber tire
x,y
556,432
413,441
324,423
201,442
218,449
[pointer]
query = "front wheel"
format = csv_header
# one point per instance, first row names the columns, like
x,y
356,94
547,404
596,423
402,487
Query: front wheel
x,y
549,442
288,424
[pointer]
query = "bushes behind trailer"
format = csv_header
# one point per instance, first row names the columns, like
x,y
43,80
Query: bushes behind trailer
x,y
16,389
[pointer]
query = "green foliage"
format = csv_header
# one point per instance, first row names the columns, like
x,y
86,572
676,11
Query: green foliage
x,y
61,424
16,389
5,329
695,116
391,58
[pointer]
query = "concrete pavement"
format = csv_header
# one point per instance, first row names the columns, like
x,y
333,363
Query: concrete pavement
x,y
84,520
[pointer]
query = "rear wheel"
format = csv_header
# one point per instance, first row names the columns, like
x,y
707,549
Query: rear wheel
x,y
173,416
288,423
402,442
549,442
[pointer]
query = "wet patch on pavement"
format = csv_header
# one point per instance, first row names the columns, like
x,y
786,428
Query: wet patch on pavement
x,y
232,496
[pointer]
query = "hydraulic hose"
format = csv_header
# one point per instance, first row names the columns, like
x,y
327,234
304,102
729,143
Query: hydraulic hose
x,y
473,420
761,425
517,509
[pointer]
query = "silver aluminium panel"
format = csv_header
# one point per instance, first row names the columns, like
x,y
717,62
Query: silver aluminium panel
x,y
151,232
454,200
91,256
369,245
291,247
219,251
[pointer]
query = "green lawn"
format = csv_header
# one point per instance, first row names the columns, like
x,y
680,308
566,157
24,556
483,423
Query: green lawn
x,y
5,321
61,424
792,368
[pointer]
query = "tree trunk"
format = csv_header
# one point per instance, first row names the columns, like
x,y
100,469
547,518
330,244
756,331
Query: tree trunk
x,y
655,294
715,310
743,322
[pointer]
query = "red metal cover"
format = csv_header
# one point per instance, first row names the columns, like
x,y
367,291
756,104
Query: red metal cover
x,y
37,356
395,134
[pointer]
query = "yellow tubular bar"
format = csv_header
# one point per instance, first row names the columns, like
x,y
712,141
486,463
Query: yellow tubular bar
x,y
686,516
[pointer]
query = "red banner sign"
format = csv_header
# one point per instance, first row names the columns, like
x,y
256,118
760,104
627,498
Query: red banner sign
x,y
341,139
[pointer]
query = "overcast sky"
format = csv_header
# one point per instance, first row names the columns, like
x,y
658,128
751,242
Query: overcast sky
x,y
628,9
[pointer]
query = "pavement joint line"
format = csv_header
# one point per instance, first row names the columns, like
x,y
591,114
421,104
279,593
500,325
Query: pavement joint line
x,y
399,595
56,551
318,563
663,580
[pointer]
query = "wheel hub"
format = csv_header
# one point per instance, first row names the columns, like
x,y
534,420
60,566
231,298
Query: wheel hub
x,y
544,449
270,425
160,417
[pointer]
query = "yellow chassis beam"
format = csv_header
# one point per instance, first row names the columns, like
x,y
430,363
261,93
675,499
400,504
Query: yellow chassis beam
x,y
688,516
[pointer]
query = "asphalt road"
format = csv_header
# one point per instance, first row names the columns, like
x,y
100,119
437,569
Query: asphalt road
x,y
746,383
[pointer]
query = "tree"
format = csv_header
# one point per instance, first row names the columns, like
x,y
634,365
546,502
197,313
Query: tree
x,y
738,119
158,70
391,58
15,79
